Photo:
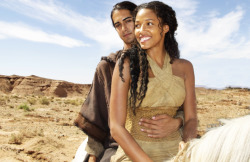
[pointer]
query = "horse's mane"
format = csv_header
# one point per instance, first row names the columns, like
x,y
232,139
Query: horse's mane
x,y
228,143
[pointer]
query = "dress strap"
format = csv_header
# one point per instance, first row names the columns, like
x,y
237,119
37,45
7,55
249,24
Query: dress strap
x,y
157,71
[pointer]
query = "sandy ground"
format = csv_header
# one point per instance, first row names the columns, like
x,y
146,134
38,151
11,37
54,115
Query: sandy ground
x,y
34,128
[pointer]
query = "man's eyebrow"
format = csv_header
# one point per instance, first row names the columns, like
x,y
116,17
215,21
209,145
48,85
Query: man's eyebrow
x,y
123,20
116,23
126,18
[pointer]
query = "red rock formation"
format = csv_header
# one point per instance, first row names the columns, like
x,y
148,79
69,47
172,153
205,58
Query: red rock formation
x,y
34,85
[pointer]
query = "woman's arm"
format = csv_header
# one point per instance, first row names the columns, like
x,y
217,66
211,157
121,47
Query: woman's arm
x,y
118,113
190,124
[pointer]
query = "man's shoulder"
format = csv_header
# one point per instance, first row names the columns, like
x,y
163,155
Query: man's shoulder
x,y
106,61
111,58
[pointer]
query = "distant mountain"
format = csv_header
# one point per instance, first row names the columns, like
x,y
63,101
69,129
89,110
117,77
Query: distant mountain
x,y
34,85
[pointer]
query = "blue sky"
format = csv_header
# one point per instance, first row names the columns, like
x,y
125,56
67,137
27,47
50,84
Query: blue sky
x,y
65,40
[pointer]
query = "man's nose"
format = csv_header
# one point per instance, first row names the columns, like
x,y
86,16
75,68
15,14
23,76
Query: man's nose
x,y
124,27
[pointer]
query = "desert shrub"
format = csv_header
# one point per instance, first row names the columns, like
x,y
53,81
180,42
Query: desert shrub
x,y
72,102
25,107
15,97
16,139
44,101
31,101
32,133
242,88
2,101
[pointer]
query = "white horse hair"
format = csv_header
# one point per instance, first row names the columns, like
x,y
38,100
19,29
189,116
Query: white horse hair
x,y
228,143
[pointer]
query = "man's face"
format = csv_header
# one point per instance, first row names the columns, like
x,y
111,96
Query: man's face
x,y
124,25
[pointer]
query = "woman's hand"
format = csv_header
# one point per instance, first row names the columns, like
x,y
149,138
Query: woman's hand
x,y
160,126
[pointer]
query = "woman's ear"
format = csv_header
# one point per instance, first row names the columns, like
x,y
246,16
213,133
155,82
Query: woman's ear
x,y
165,28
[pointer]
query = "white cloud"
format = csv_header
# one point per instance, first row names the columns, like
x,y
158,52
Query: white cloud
x,y
2,36
213,36
55,12
203,35
242,50
21,31
101,31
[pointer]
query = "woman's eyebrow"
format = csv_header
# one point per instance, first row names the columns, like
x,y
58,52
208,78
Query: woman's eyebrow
x,y
145,20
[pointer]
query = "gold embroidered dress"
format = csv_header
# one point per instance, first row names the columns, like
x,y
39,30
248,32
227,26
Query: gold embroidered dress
x,y
164,95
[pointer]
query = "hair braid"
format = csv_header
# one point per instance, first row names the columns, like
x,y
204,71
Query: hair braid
x,y
138,71
144,76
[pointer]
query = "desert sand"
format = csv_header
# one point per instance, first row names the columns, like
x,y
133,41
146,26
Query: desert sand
x,y
40,128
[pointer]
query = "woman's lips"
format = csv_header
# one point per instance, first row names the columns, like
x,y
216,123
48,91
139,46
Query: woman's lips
x,y
144,39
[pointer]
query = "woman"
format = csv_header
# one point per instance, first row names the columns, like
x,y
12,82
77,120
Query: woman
x,y
153,80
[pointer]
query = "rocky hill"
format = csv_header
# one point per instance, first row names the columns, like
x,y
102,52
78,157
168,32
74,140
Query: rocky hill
x,y
39,86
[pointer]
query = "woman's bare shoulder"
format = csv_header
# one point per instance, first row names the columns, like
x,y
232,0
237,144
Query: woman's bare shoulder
x,y
183,64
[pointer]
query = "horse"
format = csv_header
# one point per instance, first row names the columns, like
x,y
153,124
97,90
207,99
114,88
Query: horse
x,y
227,143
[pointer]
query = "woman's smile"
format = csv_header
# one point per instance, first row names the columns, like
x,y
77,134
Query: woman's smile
x,y
144,39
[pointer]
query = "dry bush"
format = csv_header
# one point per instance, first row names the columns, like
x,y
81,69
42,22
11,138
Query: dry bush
x,y
31,101
55,143
2,101
25,107
32,133
15,97
44,101
72,102
16,139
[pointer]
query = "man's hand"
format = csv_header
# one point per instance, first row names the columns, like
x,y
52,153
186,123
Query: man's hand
x,y
92,158
160,126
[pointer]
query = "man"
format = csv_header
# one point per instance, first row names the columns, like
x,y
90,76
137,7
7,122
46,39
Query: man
x,y
93,117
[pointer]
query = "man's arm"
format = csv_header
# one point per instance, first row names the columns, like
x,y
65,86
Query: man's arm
x,y
93,117
93,148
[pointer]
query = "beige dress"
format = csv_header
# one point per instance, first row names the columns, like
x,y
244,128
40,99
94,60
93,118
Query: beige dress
x,y
165,94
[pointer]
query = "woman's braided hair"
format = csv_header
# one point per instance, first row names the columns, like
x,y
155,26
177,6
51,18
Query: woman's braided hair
x,y
138,57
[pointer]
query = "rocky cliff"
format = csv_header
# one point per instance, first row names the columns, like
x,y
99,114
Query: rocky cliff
x,y
34,85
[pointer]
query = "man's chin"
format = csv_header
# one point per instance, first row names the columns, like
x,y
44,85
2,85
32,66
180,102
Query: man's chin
x,y
128,41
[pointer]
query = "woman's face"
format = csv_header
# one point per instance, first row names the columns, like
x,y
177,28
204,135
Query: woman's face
x,y
148,30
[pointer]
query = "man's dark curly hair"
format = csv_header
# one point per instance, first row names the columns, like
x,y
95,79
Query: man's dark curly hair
x,y
138,57
124,5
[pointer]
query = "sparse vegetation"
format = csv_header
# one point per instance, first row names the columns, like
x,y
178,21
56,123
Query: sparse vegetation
x,y
48,133
72,102
2,101
16,139
25,107
15,97
242,88
44,101
31,101
75,102
32,133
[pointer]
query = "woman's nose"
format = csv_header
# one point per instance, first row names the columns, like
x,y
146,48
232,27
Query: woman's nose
x,y
142,28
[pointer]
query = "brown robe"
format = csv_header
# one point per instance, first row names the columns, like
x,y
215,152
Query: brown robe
x,y
94,113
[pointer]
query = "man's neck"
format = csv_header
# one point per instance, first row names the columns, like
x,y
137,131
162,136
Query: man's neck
x,y
126,46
